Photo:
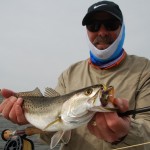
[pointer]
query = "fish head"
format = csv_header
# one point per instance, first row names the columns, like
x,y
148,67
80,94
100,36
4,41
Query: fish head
x,y
88,94
83,100
103,99
75,110
91,91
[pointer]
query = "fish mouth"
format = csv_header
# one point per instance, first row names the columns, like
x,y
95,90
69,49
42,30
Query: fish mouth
x,y
105,95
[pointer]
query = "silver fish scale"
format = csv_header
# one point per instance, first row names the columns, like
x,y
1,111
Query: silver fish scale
x,y
35,104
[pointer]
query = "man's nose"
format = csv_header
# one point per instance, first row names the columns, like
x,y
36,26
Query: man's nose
x,y
102,30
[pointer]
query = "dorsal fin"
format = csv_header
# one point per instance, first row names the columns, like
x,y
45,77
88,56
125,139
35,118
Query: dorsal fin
x,y
35,92
49,92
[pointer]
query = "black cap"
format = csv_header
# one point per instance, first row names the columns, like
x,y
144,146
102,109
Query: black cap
x,y
106,6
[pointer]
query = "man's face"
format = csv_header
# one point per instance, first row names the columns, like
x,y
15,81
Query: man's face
x,y
103,29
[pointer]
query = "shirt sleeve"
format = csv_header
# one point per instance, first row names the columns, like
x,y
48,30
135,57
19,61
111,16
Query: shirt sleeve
x,y
60,88
140,124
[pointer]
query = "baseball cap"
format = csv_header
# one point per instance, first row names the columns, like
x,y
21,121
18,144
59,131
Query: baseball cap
x,y
106,6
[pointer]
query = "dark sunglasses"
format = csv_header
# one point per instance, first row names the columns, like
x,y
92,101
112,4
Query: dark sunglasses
x,y
110,25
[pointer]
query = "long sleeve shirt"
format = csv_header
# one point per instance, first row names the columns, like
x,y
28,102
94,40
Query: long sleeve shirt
x,y
131,81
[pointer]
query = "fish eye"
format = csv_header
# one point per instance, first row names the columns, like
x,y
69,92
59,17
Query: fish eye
x,y
88,92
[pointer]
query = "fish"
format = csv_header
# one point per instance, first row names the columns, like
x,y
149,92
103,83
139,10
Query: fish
x,y
62,113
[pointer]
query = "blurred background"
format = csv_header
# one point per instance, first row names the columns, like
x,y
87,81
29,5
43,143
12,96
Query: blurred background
x,y
39,39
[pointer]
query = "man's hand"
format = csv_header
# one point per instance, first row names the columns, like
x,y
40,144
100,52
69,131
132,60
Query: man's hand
x,y
109,126
11,108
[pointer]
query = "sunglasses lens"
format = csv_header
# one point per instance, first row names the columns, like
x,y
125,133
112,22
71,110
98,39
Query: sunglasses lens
x,y
94,27
110,25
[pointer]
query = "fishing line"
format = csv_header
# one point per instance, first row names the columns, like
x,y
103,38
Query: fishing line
x,y
136,145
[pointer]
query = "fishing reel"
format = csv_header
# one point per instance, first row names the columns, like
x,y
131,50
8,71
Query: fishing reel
x,y
16,141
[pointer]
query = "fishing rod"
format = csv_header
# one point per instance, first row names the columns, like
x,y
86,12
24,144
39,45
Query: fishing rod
x,y
134,112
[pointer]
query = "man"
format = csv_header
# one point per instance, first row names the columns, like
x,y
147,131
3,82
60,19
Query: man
x,y
110,65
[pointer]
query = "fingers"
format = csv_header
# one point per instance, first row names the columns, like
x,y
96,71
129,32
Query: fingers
x,y
19,112
7,93
4,102
109,126
11,109
14,111
122,104
102,130
6,106
118,125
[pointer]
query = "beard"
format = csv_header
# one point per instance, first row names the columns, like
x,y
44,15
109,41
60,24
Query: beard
x,y
103,40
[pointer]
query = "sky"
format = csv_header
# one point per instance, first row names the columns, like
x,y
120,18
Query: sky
x,y
39,39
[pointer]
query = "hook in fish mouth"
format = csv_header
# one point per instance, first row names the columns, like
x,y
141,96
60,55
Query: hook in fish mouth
x,y
107,95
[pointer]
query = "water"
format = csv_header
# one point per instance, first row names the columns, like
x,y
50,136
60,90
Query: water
x,y
5,124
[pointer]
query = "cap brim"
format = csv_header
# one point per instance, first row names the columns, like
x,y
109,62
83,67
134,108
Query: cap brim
x,y
88,16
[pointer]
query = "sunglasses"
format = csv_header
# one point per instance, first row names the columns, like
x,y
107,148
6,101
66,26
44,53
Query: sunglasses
x,y
110,25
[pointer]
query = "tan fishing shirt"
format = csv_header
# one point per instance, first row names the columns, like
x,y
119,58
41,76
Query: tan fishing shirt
x,y
131,80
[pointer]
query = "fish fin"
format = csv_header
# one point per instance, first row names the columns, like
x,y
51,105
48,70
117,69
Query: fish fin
x,y
60,135
66,137
53,122
49,92
56,139
35,92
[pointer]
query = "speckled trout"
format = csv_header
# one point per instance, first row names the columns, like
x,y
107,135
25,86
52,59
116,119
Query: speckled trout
x,y
61,113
